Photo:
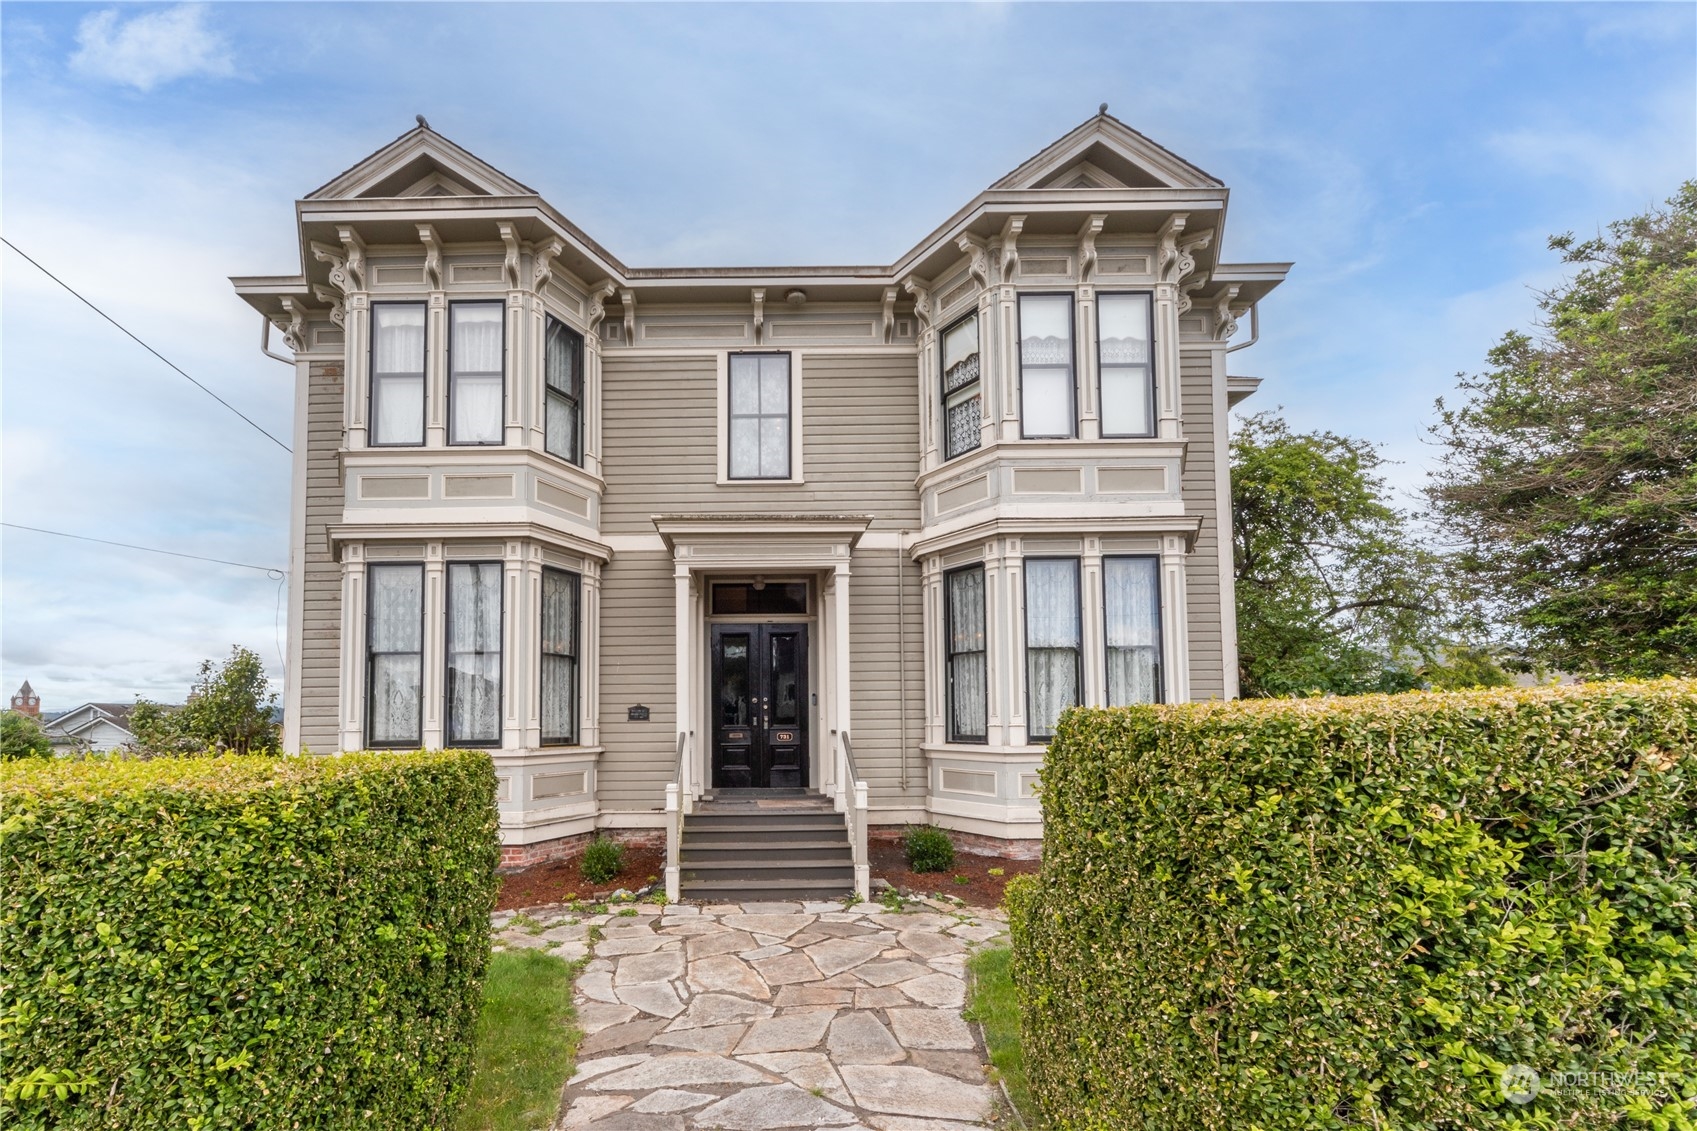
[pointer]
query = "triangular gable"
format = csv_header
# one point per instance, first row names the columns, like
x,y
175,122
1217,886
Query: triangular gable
x,y
1104,152
421,162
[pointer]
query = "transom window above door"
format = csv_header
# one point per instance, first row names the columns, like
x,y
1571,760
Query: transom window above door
x,y
760,598
759,440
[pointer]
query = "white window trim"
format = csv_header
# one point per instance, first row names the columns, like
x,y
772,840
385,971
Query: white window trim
x,y
721,412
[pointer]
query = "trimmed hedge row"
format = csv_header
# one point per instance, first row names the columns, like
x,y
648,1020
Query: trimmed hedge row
x,y
1358,913
243,942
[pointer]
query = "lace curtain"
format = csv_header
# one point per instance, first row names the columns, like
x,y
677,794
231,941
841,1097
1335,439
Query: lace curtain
x,y
1131,592
476,353
967,672
1052,642
559,656
474,652
396,627
397,366
760,416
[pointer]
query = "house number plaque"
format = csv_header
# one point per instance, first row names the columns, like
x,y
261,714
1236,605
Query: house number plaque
x,y
638,714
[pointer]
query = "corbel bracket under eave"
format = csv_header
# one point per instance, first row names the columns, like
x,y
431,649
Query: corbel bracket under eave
x,y
758,298
598,304
921,292
432,256
542,270
353,248
1188,288
338,315
293,323
978,257
510,262
889,315
1010,247
627,302
1087,246
1226,313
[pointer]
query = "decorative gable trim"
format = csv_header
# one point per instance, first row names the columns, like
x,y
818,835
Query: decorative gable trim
x,y
407,166
1100,143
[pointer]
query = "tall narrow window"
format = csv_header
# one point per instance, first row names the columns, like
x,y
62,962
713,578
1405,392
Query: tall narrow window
x,y
1127,364
397,373
394,644
559,657
475,350
1131,606
474,653
963,403
760,416
1053,645
1046,385
967,675
562,366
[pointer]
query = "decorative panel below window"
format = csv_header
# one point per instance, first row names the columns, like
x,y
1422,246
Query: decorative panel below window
x,y
474,653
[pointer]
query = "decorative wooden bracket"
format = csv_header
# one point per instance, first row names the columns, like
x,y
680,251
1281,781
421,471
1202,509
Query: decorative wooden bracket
x,y
758,297
978,258
542,270
432,256
627,300
1010,247
1087,246
353,248
294,330
921,292
337,314
889,315
1188,288
510,264
338,262
598,303
1226,313
1167,255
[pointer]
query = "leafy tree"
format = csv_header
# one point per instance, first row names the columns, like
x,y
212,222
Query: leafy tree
x,y
1334,594
1569,474
22,737
228,709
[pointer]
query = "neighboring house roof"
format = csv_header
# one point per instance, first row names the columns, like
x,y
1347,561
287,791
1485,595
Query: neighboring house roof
x,y
78,721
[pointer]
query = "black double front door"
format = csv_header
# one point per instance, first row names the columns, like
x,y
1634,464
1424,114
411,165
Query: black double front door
x,y
759,704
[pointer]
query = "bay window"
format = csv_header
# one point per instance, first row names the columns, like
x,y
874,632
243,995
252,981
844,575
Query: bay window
x,y
963,403
965,644
560,603
474,653
1046,381
1053,642
759,416
1125,332
562,365
1131,608
397,373
476,350
394,644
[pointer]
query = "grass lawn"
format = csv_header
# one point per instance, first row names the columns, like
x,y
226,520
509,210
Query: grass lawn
x,y
993,1003
526,1040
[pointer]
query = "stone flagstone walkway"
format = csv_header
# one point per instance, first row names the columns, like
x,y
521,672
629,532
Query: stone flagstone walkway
x,y
760,1016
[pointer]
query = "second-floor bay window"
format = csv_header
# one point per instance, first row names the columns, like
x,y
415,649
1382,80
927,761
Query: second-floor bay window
x,y
759,416
967,674
560,591
562,366
1131,608
476,349
474,653
963,402
1124,337
1054,670
1046,382
397,373
394,644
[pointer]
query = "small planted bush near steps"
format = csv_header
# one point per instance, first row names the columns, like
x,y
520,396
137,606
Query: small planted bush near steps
x,y
928,849
602,860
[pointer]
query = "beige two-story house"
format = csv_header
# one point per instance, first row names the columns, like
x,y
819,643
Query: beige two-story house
x,y
658,537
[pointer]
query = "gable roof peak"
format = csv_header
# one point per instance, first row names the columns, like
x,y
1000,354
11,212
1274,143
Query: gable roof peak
x,y
1107,145
420,162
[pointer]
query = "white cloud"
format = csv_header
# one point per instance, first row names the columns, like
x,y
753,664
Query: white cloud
x,y
149,49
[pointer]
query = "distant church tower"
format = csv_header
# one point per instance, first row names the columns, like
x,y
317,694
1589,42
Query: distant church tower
x,y
27,702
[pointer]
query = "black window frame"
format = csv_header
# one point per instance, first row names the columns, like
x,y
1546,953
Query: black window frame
x,y
949,654
789,436
549,392
423,381
1160,628
371,654
501,419
448,739
945,393
1154,423
1031,735
1072,361
576,738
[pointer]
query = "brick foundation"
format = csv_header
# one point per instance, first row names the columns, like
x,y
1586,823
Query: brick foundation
x,y
995,847
518,857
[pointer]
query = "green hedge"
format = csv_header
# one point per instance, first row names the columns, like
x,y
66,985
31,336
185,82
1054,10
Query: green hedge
x,y
1356,913
243,942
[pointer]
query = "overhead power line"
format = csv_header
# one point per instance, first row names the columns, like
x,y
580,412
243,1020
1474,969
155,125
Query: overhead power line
x,y
149,549
146,347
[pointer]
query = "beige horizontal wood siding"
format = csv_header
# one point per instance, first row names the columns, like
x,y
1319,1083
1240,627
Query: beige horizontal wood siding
x,y
638,644
877,640
1202,569
860,441
321,603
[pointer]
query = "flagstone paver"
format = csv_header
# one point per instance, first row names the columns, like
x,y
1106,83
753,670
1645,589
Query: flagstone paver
x,y
770,1016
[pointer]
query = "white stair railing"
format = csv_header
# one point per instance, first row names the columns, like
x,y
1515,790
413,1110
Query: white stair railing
x,y
852,797
677,804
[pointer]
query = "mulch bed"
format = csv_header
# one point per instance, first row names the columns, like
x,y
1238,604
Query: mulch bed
x,y
561,880
980,888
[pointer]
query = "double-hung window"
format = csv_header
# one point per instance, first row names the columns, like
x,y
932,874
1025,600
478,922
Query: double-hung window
x,y
397,373
560,601
562,365
1046,382
1054,670
474,653
968,685
1131,608
759,416
476,351
963,402
394,645
1125,334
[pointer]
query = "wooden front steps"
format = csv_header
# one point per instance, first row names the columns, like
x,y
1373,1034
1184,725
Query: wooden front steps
x,y
756,844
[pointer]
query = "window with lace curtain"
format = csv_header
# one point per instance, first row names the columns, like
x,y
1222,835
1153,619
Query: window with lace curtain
x,y
963,402
1131,609
397,373
476,350
1046,382
560,602
394,645
562,370
759,416
1054,671
474,654
1124,337
968,685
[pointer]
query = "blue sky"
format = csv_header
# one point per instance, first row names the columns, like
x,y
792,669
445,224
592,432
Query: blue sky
x,y
1411,160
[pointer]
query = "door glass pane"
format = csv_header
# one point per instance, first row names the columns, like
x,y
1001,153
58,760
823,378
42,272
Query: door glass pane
x,y
786,705
733,680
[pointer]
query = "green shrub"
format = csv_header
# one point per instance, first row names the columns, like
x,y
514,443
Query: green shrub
x,y
1357,913
928,849
602,860
243,942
